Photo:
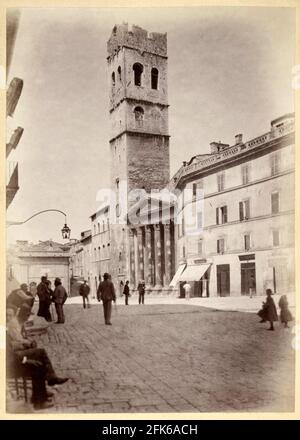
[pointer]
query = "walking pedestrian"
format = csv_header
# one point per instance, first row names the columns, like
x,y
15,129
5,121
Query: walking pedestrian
x,y
270,310
285,314
141,290
106,293
187,289
59,298
84,291
126,292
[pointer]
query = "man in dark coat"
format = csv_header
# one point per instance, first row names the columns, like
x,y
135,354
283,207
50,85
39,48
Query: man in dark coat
x,y
271,311
141,290
126,292
59,298
106,293
84,292
44,299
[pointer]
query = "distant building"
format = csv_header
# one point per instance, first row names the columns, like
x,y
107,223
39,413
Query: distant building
x,y
80,261
28,262
100,254
243,236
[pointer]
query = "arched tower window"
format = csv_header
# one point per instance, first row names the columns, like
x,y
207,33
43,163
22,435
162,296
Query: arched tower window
x,y
138,70
119,73
139,114
113,79
154,78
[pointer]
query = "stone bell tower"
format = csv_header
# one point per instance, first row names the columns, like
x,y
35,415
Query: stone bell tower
x,y
138,106
139,140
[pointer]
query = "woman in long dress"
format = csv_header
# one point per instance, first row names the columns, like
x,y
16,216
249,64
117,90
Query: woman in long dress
x,y
285,314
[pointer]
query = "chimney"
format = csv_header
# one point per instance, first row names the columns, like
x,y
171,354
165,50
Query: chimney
x,y
238,139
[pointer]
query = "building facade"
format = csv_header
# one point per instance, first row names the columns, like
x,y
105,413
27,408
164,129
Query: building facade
x,y
100,248
27,262
236,228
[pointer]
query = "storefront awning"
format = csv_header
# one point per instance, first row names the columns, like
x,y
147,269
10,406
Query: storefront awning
x,y
179,271
194,272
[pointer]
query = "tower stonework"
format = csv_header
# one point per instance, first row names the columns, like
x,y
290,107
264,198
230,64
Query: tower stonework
x,y
139,139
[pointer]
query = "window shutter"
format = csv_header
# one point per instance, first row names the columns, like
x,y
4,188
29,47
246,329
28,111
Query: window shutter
x,y
241,207
217,216
225,214
222,245
275,203
247,208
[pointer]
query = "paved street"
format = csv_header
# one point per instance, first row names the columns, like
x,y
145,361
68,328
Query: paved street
x,y
169,358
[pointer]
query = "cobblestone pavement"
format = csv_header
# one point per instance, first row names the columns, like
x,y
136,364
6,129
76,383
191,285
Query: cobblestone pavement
x,y
168,358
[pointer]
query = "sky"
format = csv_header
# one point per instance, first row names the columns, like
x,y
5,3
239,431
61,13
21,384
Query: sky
x,y
229,72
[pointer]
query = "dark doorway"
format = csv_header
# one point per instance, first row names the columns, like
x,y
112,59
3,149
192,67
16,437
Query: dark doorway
x,y
247,278
223,279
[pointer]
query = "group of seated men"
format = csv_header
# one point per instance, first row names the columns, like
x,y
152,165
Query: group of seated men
x,y
23,356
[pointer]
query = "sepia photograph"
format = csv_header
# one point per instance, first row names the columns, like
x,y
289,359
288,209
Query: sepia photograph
x,y
150,210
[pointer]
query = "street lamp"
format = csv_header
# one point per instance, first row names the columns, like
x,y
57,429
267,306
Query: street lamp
x,y
66,231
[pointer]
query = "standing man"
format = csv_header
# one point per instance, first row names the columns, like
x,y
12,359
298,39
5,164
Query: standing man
x,y
59,298
106,293
141,289
126,292
84,292
187,290
44,299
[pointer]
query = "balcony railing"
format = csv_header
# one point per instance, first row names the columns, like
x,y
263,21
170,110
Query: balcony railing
x,y
235,150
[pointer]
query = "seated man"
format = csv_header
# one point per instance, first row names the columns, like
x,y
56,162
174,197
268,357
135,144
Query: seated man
x,y
20,296
23,357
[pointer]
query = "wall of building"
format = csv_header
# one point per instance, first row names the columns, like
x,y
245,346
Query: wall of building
x,y
274,263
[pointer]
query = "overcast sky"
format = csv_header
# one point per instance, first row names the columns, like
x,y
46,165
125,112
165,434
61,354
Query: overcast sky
x,y
229,72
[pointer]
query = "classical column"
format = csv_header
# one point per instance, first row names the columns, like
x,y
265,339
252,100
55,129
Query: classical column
x,y
132,256
168,255
157,256
140,254
147,257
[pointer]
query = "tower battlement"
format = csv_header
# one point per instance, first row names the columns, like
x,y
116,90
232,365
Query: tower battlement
x,y
136,38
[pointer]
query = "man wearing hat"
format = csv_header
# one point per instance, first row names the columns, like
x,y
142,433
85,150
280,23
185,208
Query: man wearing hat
x,y
84,292
20,296
44,294
59,298
141,290
106,293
